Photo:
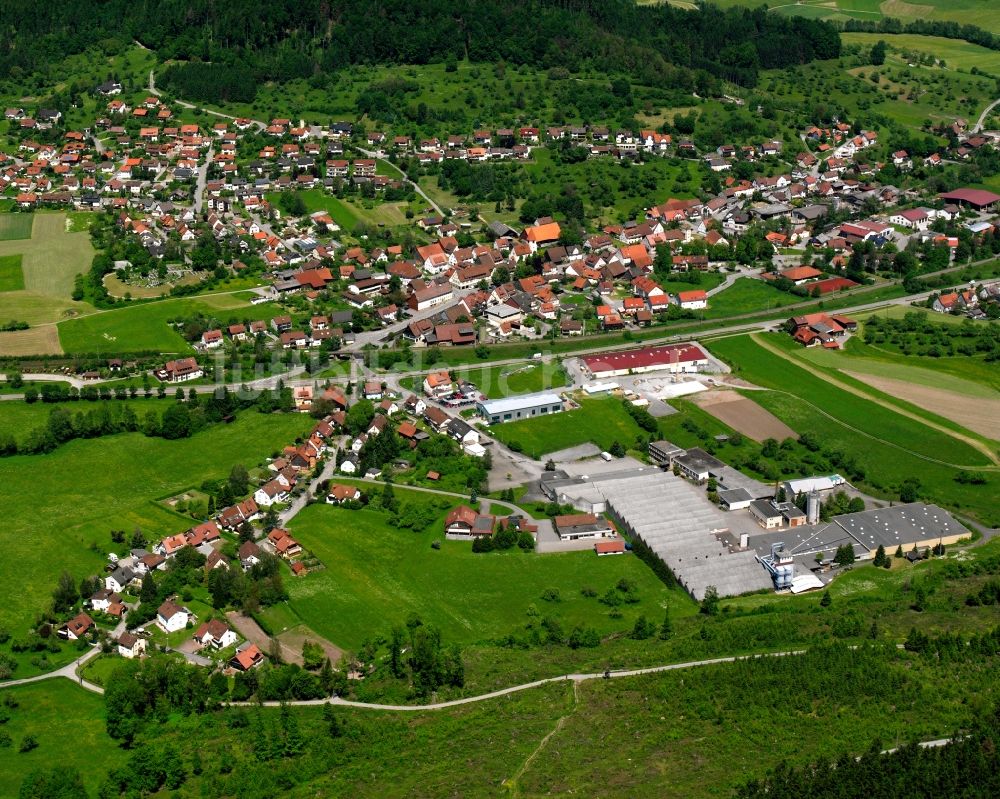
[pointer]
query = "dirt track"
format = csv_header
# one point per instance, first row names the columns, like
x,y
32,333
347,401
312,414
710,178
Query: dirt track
x,y
977,414
744,415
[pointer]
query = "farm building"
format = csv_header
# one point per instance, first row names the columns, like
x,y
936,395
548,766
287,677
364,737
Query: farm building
x,y
674,358
975,198
521,406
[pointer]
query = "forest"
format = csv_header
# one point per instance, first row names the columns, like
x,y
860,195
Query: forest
x,y
226,43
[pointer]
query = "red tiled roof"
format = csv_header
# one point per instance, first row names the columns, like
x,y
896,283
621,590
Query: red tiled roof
x,y
644,358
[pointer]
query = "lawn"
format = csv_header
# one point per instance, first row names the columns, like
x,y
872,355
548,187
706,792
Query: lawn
x,y
62,506
748,295
375,575
15,226
523,378
137,328
11,275
889,447
68,723
602,421
347,213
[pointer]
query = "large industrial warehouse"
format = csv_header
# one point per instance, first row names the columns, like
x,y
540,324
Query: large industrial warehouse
x,y
671,357
672,517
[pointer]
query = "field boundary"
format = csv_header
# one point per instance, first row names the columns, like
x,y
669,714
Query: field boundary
x,y
977,445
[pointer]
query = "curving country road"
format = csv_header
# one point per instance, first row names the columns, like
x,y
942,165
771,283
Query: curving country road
x,y
68,671
982,117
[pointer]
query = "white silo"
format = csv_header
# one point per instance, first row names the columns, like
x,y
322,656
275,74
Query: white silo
x,y
812,508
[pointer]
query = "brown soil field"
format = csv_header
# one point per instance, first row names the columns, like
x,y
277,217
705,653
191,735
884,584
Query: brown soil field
x,y
975,413
33,341
289,641
744,415
294,638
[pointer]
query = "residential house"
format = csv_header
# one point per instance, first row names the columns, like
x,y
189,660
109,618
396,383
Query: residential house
x,y
76,628
216,634
171,617
338,494
130,645
246,658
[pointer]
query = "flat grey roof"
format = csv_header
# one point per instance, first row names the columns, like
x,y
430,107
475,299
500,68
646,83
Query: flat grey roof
x,y
519,402
674,518
765,508
698,460
912,523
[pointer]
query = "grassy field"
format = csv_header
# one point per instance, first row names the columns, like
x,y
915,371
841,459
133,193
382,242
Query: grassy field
x,y
967,375
702,735
11,274
68,723
891,448
981,13
956,53
348,213
376,575
747,295
50,261
503,381
145,327
602,421
15,226
22,418
61,507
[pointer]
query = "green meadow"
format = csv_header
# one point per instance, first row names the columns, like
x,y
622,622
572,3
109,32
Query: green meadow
x,y
11,274
375,575
348,213
62,506
15,226
521,378
890,447
49,259
67,721
747,295
146,327
601,421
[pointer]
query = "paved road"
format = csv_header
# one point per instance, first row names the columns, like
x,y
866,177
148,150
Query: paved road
x,y
199,192
68,671
406,179
982,117
328,471
154,90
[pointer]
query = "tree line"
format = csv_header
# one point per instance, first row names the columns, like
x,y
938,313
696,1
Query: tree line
x,y
968,766
926,27
233,47
179,420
